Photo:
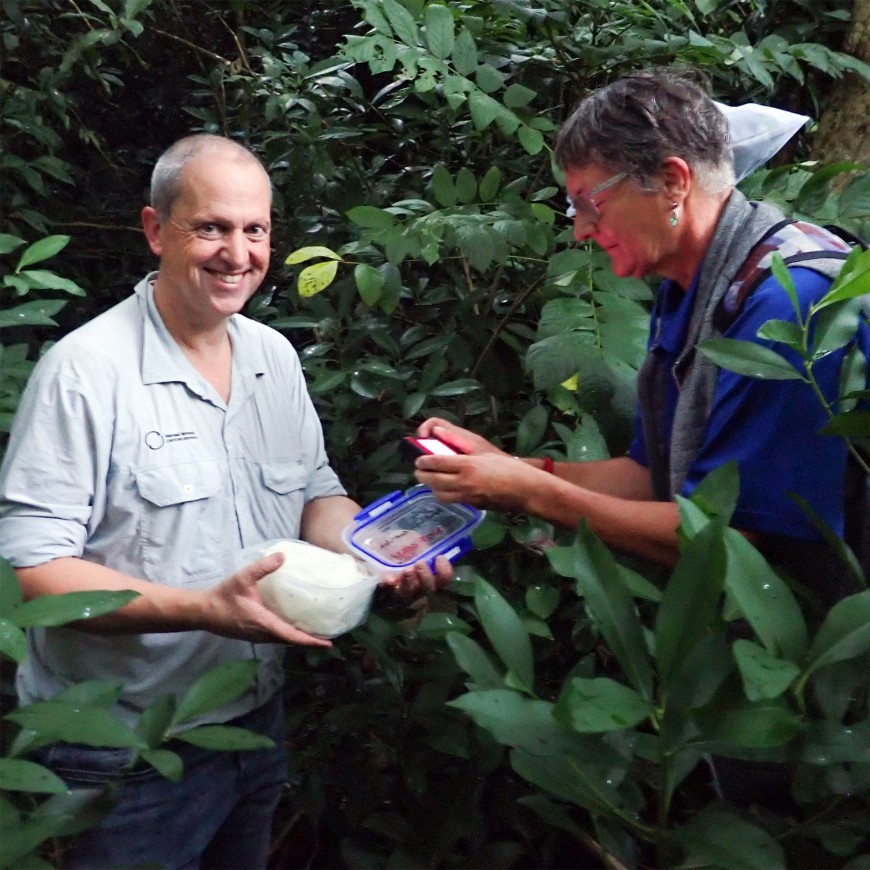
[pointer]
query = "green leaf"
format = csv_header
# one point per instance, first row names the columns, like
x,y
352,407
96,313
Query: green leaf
x,y
466,185
531,429
764,600
165,762
515,720
718,837
542,600
756,725
473,659
370,217
221,685
785,331
225,738
9,243
53,610
828,743
483,108
506,632
42,250
599,581
369,283
155,721
36,313
764,676
401,21
488,78
300,255
92,693
532,140
516,96
583,783
748,358
10,589
312,279
601,704
464,54
13,641
490,184
43,279
59,720
439,30
456,388
844,634
16,774
691,599
443,187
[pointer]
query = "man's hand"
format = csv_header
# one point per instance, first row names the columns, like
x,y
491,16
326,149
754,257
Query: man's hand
x,y
235,609
419,578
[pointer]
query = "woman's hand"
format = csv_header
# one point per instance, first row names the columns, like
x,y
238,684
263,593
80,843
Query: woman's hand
x,y
463,440
489,480
419,578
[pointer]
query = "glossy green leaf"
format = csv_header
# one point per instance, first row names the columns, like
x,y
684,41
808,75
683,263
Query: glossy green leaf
x,y
490,184
439,30
93,726
9,243
466,185
583,783
37,313
53,610
542,600
473,659
844,634
44,279
764,600
757,725
748,358
370,217
516,96
718,492
718,837
691,599
369,283
17,774
225,738
10,588
42,250
515,720
165,762
506,633
828,743
764,676
600,583
221,685
599,705
13,641
155,721
531,429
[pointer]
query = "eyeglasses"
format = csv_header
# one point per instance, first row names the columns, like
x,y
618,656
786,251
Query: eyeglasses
x,y
584,207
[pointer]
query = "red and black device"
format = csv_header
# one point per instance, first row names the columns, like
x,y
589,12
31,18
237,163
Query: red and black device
x,y
411,447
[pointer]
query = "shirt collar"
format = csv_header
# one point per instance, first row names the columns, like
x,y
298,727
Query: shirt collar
x,y
163,360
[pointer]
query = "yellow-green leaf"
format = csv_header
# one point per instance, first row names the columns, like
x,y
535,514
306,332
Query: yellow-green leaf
x,y
300,255
314,278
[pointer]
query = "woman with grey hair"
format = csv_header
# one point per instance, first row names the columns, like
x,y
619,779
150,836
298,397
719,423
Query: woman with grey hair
x,y
648,170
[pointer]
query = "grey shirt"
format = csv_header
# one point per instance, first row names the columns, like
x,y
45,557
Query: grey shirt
x,y
122,454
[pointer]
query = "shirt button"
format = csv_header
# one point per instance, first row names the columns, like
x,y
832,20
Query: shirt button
x,y
188,487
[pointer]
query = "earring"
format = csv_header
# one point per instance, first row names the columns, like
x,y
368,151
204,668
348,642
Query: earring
x,y
675,218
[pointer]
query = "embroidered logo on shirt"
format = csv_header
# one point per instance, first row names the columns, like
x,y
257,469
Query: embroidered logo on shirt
x,y
155,440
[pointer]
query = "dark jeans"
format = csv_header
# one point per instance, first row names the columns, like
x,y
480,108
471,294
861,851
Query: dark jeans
x,y
218,816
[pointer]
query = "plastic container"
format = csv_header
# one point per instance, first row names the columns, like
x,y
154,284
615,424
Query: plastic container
x,y
399,530
317,590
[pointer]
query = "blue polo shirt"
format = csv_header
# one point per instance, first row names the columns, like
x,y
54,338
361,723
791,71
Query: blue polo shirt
x,y
769,428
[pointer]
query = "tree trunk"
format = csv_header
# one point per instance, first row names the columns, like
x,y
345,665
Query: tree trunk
x,y
844,127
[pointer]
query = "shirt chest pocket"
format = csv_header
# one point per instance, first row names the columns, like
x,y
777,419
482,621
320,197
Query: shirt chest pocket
x,y
278,509
183,521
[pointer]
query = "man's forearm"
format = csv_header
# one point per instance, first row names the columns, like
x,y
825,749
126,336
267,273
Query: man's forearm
x,y
157,608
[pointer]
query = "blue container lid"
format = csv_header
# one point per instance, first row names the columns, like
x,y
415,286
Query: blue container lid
x,y
398,530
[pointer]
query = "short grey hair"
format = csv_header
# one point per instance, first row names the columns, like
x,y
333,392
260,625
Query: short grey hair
x,y
635,123
166,176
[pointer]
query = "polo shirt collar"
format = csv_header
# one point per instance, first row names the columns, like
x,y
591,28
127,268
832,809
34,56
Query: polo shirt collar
x,y
163,361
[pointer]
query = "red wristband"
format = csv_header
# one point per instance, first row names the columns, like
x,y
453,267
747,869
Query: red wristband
x,y
547,464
